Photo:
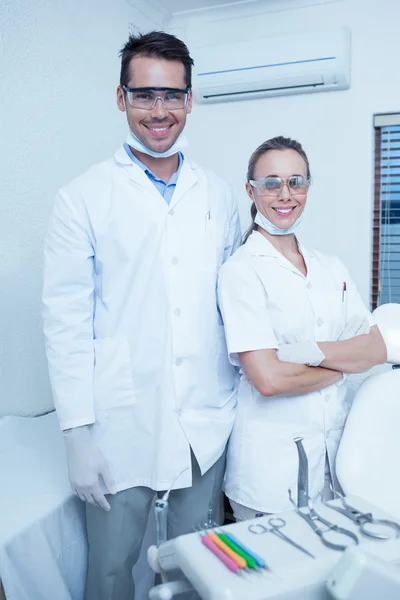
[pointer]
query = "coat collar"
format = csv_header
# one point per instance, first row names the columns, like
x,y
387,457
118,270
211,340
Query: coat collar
x,y
186,180
187,177
258,245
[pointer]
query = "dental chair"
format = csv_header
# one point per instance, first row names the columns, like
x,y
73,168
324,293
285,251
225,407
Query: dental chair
x,y
367,463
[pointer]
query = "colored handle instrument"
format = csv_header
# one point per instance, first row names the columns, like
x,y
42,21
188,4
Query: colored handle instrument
x,y
250,560
260,562
241,563
228,562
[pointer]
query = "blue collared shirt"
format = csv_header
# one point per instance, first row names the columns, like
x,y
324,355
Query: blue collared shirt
x,y
166,189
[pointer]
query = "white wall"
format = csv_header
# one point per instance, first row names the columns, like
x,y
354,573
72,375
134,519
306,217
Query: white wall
x,y
58,72
59,69
335,128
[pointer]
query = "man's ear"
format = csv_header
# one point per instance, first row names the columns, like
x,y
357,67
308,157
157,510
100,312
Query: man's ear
x,y
121,99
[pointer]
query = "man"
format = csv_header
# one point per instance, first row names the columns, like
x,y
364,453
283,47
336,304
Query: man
x,y
135,343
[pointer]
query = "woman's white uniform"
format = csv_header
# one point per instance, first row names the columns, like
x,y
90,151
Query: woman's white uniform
x,y
266,301
135,342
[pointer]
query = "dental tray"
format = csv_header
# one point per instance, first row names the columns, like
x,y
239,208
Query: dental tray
x,y
294,575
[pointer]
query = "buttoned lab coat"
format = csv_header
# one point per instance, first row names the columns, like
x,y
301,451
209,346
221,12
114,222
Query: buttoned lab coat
x,y
266,301
134,339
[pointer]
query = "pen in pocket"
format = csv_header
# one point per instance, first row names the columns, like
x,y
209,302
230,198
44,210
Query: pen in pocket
x,y
343,290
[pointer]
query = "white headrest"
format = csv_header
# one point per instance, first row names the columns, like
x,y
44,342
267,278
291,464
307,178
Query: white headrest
x,y
387,317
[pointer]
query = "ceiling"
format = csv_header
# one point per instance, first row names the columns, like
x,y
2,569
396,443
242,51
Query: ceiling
x,y
163,10
179,6
170,8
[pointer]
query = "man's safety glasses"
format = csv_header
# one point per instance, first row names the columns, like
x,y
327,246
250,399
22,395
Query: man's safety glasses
x,y
272,186
146,97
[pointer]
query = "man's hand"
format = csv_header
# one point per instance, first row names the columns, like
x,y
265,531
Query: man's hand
x,y
87,467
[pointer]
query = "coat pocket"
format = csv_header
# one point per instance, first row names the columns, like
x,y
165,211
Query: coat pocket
x,y
113,380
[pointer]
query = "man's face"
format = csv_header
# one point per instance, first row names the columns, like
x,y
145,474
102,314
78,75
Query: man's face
x,y
156,128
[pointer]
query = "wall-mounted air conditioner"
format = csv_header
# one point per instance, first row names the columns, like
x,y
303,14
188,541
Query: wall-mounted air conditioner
x,y
275,66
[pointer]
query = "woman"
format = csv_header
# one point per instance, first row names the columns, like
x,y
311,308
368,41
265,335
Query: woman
x,y
295,324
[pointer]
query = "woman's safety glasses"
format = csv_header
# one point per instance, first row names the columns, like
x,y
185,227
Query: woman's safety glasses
x,y
272,186
146,97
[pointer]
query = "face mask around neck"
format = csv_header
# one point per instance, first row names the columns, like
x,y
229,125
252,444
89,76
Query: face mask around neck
x,y
179,145
269,227
273,229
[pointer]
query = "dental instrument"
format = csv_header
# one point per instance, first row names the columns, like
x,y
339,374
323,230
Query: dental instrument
x,y
302,479
230,552
225,557
253,560
313,518
305,509
161,512
276,524
365,521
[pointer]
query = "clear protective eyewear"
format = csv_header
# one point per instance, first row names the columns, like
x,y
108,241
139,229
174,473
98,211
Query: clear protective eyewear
x,y
272,186
146,97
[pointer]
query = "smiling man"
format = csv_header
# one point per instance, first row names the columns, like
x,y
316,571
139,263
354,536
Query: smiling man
x,y
143,388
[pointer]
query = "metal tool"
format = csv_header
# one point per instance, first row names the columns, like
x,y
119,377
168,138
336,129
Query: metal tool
x,y
276,525
161,512
210,519
365,521
302,479
313,518
306,510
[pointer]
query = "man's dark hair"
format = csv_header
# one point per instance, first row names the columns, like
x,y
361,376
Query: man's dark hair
x,y
155,44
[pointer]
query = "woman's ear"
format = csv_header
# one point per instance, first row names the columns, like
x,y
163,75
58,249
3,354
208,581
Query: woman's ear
x,y
249,191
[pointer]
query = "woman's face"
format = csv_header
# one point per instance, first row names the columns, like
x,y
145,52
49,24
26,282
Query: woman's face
x,y
280,206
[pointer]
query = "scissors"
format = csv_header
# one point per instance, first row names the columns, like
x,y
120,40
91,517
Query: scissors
x,y
365,521
276,525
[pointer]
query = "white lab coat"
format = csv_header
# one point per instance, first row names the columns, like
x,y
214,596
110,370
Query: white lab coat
x,y
266,301
134,339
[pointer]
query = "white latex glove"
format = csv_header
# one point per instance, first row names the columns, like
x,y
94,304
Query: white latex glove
x,y
302,353
355,326
244,376
89,474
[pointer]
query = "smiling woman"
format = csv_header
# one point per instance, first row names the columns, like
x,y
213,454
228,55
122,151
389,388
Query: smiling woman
x,y
285,197
295,324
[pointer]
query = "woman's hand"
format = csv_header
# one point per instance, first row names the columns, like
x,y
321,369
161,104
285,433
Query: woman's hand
x,y
355,355
271,376
357,349
357,325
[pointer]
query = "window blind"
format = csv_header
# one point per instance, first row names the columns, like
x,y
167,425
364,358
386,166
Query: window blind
x,y
386,246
